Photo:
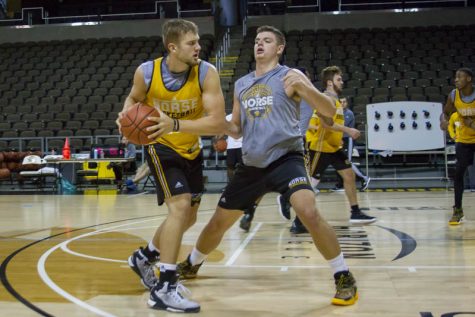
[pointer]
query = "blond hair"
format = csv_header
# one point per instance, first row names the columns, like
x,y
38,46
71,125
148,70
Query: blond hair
x,y
172,30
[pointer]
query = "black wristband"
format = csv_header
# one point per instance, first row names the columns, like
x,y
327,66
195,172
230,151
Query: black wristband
x,y
176,125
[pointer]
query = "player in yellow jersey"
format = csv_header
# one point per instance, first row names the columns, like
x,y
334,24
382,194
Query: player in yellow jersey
x,y
325,142
462,101
183,89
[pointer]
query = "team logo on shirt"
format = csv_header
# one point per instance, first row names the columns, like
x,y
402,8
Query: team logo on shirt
x,y
258,101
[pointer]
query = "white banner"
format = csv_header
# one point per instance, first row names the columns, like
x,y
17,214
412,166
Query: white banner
x,y
404,126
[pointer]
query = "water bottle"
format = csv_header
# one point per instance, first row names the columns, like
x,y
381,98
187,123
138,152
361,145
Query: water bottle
x,y
102,154
95,153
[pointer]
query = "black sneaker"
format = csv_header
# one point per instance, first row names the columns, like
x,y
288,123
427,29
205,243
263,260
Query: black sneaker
x,y
361,217
297,228
187,271
245,223
338,189
172,298
284,207
365,184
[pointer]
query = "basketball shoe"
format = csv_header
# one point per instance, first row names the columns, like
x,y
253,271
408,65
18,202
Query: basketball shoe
x,y
144,268
365,183
186,270
457,217
284,207
346,290
297,227
172,298
361,217
246,221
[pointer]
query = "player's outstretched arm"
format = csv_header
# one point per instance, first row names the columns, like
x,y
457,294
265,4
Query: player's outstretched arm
x,y
137,93
296,83
233,127
449,108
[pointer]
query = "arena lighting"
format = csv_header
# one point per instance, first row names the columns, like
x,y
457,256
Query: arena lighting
x,y
407,10
22,26
84,23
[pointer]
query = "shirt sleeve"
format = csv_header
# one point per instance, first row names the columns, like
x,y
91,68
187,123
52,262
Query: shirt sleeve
x,y
147,69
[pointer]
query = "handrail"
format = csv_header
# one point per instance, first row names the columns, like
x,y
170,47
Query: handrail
x,y
341,4
222,51
25,13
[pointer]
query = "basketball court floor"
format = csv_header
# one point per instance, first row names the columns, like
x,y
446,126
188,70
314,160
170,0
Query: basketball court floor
x,y
66,256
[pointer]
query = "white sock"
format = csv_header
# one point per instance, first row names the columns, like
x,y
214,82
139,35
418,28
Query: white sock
x,y
167,267
314,182
196,257
338,264
151,247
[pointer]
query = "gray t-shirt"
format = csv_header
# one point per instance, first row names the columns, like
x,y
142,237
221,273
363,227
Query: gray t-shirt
x,y
349,120
306,112
269,118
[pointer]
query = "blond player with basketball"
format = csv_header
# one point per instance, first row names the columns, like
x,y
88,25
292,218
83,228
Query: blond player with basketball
x,y
183,89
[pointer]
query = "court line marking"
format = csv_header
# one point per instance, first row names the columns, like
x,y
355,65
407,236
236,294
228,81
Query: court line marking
x,y
41,267
243,245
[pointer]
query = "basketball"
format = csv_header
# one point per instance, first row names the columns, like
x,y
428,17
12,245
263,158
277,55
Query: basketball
x,y
220,145
134,123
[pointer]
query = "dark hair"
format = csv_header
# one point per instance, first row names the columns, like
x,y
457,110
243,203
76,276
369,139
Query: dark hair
x,y
328,73
466,70
278,34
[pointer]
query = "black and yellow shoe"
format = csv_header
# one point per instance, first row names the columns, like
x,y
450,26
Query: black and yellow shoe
x,y
346,291
457,217
186,270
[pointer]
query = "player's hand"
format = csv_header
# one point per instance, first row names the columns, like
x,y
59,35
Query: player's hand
x,y
353,133
444,125
468,121
164,125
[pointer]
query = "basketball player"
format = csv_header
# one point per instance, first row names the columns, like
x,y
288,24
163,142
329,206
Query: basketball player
x,y
265,113
325,144
119,168
462,101
182,88
348,148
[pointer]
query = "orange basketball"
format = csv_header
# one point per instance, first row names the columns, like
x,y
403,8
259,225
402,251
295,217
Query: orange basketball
x,y
221,145
134,123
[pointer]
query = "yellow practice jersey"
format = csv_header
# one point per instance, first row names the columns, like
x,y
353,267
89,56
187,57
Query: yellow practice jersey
x,y
454,126
465,109
184,103
324,139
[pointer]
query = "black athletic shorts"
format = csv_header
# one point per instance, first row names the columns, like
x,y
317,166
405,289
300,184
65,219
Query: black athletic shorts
x,y
319,161
233,157
286,175
174,175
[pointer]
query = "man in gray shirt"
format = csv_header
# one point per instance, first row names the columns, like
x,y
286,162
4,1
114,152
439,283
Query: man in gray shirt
x,y
265,113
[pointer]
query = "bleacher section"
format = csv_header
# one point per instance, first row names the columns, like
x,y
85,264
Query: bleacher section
x,y
392,64
73,88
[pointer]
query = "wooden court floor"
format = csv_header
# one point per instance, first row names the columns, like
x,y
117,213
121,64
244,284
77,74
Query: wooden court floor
x,y
66,256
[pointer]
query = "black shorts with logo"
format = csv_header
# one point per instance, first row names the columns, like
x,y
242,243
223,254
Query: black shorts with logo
x,y
319,162
174,174
286,175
